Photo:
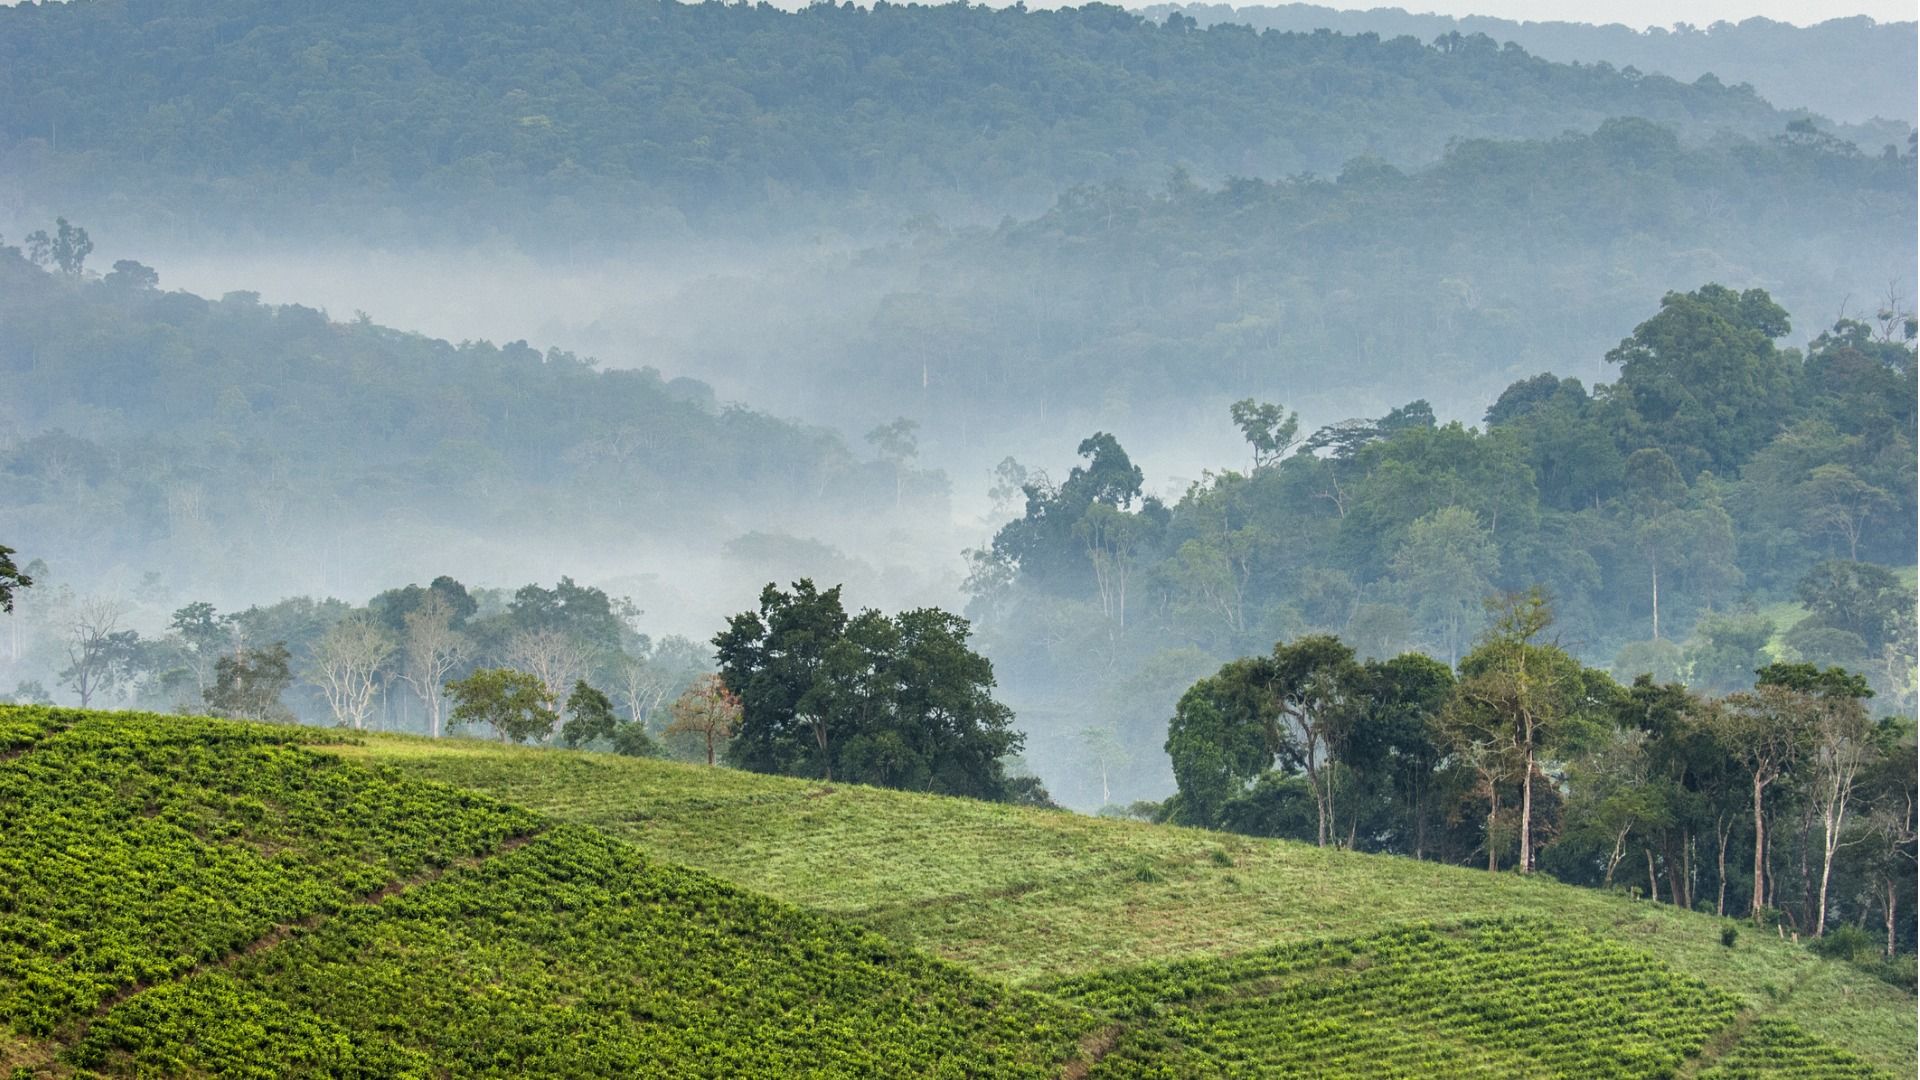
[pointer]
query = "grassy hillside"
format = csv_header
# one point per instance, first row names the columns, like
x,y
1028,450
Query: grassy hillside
x,y
192,897
1038,897
198,897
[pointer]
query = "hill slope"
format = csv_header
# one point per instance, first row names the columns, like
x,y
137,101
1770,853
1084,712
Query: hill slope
x,y
165,429
1849,68
198,897
561,119
1039,897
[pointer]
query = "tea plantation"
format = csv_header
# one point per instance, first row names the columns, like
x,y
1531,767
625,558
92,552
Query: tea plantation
x,y
197,897
1036,896
193,897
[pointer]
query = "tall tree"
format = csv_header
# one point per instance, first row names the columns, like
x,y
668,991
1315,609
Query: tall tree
x,y
774,658
707,709
1703,379
248,684
1768,729
433,648
347,664
99,653
11,579
514,703
1269,429
1315,683
1446,566
1533,693
1840,741
899,445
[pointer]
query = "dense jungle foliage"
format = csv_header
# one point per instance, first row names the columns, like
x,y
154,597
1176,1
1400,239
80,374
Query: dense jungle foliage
x,y
1723,503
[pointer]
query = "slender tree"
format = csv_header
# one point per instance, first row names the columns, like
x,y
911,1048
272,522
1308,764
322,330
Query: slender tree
x,y
707,709
347,664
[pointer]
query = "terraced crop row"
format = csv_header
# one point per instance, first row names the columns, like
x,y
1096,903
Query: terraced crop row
x,y
134,847
198,897
1034,896
1771,1050
576,956
1500,998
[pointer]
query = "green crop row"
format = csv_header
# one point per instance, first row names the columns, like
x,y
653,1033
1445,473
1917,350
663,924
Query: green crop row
x,y
575,955
1771,1050
1496,998
135,847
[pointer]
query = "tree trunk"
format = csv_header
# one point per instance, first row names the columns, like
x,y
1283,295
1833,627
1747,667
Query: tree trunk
x,y
1720,903
1676,882
1653,879
1419,822
1493,813
1619,853
1655,565
826,760
1319,801
1526,813
1759,849
1893,901
1826,876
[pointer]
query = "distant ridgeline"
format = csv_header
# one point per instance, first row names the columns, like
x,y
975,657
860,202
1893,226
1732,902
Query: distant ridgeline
x,y
220,429
1333,294
561,121
1851,69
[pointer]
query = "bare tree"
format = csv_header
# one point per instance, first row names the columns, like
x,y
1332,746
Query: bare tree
x,y
433,649
95,647
644,686
1842,743
551,656
346,666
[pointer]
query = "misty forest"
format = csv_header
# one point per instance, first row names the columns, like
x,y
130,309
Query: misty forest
x,y
553,538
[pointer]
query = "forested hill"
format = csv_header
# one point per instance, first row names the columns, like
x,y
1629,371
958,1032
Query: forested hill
x,y
1336,295
590,118
198,434
1848,68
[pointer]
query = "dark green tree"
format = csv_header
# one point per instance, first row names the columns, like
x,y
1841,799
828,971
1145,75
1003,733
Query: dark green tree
x,y
515,704
899,702
11,578
248,684
590,716
1702,379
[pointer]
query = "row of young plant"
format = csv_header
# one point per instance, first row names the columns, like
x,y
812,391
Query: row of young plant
x,y
1509,997
574,955
135,847
1774,1050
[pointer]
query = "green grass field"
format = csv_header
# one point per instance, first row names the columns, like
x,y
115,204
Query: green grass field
x,y
191,897
1034,896
185,897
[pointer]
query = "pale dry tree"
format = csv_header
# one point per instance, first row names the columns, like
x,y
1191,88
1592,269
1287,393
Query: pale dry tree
x,y
551,656
346,666
433,649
